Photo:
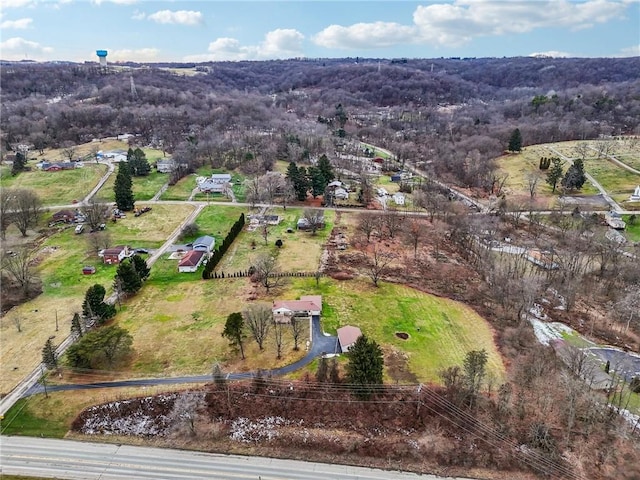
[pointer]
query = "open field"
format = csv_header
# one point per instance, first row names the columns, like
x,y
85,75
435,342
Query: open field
x,y
618,182
144,188
56,188
60,261
632,232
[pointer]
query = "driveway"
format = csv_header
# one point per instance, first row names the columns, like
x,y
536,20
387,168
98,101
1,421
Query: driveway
x,y
320,344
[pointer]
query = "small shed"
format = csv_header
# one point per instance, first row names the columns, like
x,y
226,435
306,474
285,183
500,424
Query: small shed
x,y
347,336
204,243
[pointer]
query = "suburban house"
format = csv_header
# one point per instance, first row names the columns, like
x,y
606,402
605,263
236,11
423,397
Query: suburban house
x,y
191,261
66,216
216,183
347,336
204,244
399,198
303,224
57,166
309,306
114,155
115,255
635,196
165,165
340,194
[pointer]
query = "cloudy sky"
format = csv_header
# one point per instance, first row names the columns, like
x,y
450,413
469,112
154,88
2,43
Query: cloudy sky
x,y
181,30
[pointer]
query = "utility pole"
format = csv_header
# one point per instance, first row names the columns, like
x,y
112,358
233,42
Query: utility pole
x,y
56,320
43,379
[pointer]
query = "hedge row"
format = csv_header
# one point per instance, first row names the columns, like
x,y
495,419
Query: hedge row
x,y
226,243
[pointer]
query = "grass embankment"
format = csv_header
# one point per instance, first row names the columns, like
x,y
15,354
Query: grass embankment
x,y
60,263
632,232
51,416
56,188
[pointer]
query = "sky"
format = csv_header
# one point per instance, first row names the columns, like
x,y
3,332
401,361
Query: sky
x,y
211,30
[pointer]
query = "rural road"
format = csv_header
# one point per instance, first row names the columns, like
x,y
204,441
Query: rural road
x,y
73,460
320,345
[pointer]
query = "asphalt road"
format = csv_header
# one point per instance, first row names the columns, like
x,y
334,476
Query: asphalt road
x,y
72,460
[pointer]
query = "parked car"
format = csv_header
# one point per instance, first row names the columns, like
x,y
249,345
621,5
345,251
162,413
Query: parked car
x,y
88,270
141,250
79,228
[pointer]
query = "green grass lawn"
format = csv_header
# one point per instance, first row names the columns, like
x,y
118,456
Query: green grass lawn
x,y
618,182
21,420
181,190
441,331
632,232
56,188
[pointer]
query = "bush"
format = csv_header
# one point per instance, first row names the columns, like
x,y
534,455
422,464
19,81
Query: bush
x,y
189,230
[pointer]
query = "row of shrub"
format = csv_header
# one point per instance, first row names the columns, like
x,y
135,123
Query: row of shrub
x,y
251,271
226,243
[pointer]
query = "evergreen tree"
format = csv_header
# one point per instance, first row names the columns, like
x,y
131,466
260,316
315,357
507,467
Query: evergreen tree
x,y
298,178
234,331
76,326
554,173
94,307
575,177
18,164
515,142
326,170
365,367
141,267
128,278
49,355
138,164
316,181
123,188
100,348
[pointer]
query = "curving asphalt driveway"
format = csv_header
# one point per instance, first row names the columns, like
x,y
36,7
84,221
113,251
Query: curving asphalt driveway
x,y
320,344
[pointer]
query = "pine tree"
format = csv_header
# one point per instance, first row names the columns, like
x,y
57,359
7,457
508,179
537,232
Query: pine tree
x,y
140,264
94,307
554,173
18,164
138,164
316,181
76,326
365,367
575,177
298,178
234,331
326,170
49,355
123,188
515,142
128,278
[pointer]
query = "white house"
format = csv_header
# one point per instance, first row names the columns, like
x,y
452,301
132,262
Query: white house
x,y
221,178
191,261
204,243
166,165
347,336
308,306
399,198
340,194
219,184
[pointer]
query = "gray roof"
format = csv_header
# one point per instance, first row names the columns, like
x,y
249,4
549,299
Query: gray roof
x,y
205,240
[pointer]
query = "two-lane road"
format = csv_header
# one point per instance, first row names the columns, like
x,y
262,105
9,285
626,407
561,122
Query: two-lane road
x,y
72,460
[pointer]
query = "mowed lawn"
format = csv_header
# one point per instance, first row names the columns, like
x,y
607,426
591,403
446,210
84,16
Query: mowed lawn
x,y
59,265
56,188
441,331
144,188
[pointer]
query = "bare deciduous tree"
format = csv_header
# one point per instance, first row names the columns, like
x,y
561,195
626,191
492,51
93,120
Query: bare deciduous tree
x,y
414,234
378,263
95,213
7,205
297,327
314,218
258,317
18,265
366,224
99,240
27,207
393,221
266,271
69,151
278,336
184,413
532,183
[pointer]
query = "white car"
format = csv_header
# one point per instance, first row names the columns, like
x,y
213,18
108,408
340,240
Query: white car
x,y
79,229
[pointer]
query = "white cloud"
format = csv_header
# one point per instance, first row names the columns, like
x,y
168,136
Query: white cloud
x,y
15,3
633,51
457,23
118,2
17,48
180,17
137,15
138,55
279,43
552,54
20,24
365,35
